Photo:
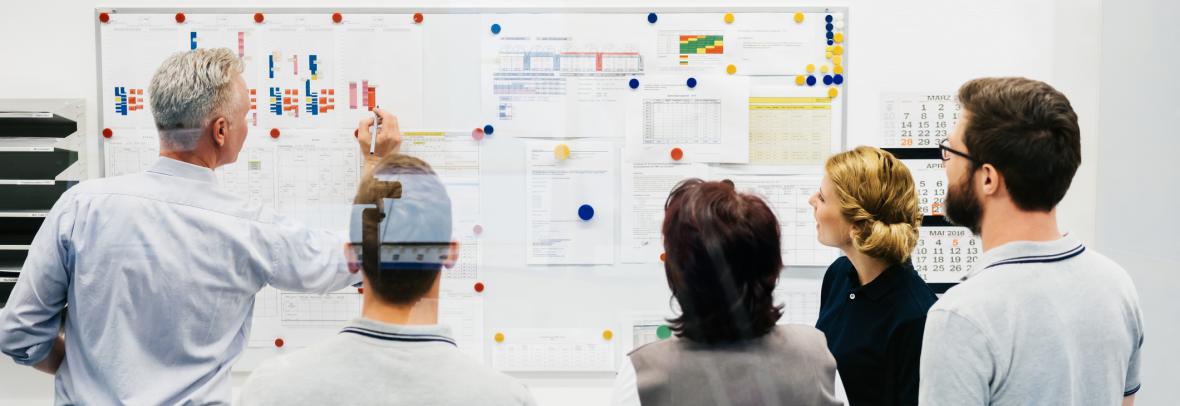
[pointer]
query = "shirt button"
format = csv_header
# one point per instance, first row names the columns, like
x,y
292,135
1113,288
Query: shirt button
x,y
851,296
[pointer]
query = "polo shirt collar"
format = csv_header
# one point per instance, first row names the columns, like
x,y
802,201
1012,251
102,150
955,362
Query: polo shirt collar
x,y
171,167
887,281
1025,252
403,333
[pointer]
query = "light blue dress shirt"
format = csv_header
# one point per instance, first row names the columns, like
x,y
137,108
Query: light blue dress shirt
x,y
159,270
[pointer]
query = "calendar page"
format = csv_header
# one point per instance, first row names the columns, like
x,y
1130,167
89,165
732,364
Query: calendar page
x,y
945,254
916,120
931,183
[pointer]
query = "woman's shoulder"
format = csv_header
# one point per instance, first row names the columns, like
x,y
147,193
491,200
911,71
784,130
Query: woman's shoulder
x,y
917,291
840,264
840,267
804,343
801,336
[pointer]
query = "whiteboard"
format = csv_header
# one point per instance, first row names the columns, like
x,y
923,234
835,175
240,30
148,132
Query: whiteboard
x,y
440,75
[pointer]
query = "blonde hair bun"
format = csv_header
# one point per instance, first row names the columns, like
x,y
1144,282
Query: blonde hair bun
x,y
877,195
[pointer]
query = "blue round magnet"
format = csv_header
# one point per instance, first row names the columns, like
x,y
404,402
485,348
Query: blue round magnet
x,y
830,42
651,18
829,26
585,212
827,79
495,28
488,129
828,18
838,79
692,82
810,80
634,83
831,36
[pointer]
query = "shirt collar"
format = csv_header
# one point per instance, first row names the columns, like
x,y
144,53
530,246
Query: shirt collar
x,y
889,279
1028,252
171,167
399,332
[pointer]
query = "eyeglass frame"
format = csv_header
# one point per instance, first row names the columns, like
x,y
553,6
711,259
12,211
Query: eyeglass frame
x,y
944,147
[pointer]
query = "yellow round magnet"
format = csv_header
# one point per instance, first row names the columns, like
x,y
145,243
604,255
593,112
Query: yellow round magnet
x,y
731,69
837,60
839,37
800,80
810,68
561,152
832,92
838,50
499,337
607,334
729,18
798,16
838,69
823,69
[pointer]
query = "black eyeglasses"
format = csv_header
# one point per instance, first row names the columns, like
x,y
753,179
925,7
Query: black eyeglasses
x,y
946,149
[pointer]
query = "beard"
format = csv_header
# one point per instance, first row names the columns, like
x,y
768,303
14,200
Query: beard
x,y
962,206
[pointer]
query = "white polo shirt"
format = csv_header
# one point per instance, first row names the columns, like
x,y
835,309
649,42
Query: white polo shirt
x,y
1036,323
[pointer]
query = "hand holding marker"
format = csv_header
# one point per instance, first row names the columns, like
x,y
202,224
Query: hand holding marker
x,y
376,127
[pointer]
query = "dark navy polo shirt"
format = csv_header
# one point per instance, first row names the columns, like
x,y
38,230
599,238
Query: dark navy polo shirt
x,y
875,331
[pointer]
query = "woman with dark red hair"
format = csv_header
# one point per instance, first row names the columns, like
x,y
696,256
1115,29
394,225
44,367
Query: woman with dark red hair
x,y
723,261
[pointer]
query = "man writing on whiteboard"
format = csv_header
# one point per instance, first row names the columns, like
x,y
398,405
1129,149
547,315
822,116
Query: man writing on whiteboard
x,y
160,268
1041,319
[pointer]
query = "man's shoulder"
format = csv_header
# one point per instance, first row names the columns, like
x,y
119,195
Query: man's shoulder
x,y
339,357
113,184
975,297
1000,287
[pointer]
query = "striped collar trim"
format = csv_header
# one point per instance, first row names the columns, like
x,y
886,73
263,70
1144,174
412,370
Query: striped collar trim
x,y
1028,252
400,337
1073,252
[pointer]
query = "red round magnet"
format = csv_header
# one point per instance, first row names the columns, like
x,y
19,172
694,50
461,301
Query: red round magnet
x,y
677,154
279,342
477,133
479,287
417,18
104,17
107,133
337,17
274,133
179,17
258,18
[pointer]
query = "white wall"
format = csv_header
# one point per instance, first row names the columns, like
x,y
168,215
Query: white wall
x,y
904,45
1138,182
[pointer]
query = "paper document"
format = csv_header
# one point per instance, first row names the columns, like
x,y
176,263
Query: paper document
x,y
553,349
705,123
571,203
791,130
800,300
645,190
568,77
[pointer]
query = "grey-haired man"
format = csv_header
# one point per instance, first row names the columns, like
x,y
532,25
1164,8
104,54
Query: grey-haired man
x,y
160,268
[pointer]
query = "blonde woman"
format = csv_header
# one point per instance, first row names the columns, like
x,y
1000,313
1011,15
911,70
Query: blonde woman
x,y
872,304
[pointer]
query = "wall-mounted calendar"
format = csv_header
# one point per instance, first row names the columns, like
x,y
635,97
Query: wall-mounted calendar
x,y
945,253
915,120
